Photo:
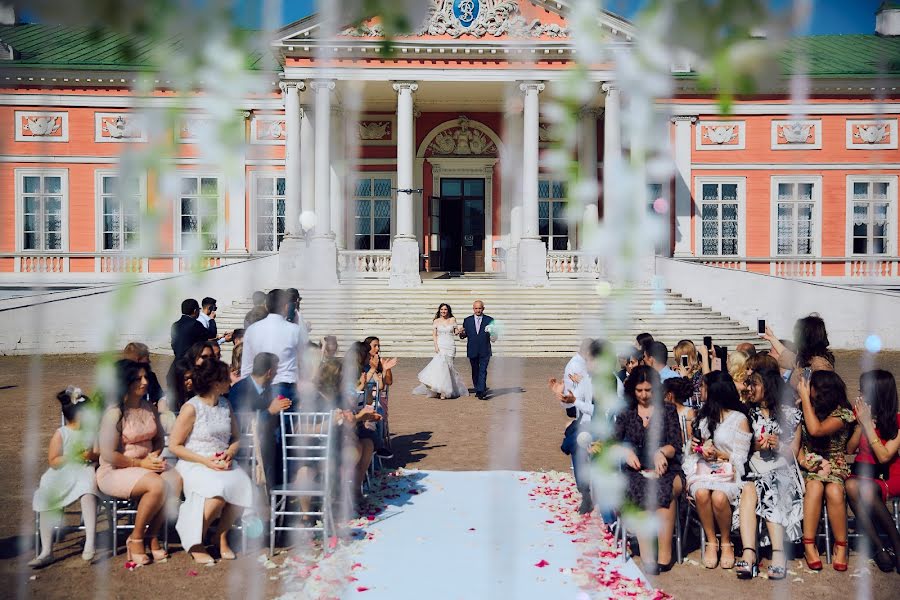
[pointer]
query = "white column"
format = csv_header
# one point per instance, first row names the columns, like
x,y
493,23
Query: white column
x,y
683,185
588,190
307,162
322,115
612,134
291,92
532,268
405,247
511,170
237,201
337,175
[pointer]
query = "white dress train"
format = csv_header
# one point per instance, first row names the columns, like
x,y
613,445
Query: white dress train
x,y
211,434
440,377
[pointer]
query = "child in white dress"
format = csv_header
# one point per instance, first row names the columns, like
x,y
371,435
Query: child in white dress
x,y
72,454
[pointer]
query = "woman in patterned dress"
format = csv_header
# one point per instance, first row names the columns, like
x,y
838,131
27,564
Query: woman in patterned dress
x,y
827,424
774,493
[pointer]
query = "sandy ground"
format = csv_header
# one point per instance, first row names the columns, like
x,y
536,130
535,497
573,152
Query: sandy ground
x,y
520,428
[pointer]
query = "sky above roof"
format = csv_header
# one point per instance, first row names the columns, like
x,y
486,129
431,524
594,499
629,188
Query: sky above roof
x,y
828,16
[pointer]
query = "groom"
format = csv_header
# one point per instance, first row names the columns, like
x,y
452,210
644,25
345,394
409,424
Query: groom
x,y
478,346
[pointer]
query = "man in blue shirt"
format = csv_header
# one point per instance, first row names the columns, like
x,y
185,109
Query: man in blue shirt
x,y
656,355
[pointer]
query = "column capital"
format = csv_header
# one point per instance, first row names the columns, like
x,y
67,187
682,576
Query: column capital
x,y
286,85
525,86
609,86
412,86
244,114
677,118
322,84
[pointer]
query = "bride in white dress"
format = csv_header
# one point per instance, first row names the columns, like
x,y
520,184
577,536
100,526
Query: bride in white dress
x,y
440,378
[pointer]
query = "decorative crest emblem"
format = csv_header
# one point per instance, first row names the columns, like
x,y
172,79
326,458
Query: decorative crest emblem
x,y
466,11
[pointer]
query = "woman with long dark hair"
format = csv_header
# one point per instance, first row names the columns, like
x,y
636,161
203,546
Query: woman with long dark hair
x,y
714,470
651,436
827,424
774,492
439,378
876,473
813,354
131,440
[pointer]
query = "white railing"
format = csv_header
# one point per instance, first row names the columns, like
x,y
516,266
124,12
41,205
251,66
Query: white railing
x,y
808,267
114,262
563,264
364,263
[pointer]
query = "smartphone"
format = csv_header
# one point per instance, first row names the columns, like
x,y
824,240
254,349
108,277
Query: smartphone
x,y
807,374
684,360
761,326
707,341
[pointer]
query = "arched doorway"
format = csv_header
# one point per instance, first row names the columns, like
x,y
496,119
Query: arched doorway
x,y
461,154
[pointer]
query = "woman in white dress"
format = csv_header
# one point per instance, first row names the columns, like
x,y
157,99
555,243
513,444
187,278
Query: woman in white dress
x,y
440,378
205,439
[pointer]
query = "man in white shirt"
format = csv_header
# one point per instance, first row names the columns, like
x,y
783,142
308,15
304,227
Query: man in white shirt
x,y
280,337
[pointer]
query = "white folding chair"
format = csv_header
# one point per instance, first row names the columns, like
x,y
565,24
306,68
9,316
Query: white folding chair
x,y
246,457
306,440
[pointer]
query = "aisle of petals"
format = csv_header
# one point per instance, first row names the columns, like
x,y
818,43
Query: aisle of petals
x,y
597,572
310,573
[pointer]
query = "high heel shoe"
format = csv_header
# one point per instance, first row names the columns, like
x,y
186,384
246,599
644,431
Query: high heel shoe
x,y
139,558
747,570
815,565
202,558
840,566
723,562
159,555
711,564
776,572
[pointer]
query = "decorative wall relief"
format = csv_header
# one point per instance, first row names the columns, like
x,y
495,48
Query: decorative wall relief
x,y
872,134
463,140
797,134
119,127
721,135
35,126
193,129
268,129
376,130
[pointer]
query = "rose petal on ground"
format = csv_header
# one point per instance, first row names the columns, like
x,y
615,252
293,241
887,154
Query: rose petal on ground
x,y
541,564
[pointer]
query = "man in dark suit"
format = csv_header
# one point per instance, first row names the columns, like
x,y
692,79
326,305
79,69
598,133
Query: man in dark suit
x,y
476,330
253,395
186,332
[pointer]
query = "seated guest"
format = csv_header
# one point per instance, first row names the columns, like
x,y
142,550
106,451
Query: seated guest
x,y
237,337
656,355
827,425
183,390
737,368
329,374
253,395
876,473
576,391
747,348
693,370
377,373
205,439
760,362
131,440
203,351
140,353
774,492
648,418
811,349
714,471
234,369
677,391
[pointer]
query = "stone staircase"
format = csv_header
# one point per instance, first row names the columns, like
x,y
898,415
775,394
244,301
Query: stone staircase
x,y
535,322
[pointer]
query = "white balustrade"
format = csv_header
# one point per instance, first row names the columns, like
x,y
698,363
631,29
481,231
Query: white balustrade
x,y
575,265
364,263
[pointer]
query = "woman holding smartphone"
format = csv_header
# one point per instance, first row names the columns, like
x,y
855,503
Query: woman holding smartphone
x,y
812,353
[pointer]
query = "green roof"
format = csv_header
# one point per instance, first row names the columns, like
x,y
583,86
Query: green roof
x,y
58,47
83,48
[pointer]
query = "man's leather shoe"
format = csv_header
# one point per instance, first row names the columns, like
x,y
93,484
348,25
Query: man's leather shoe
x,y
479,395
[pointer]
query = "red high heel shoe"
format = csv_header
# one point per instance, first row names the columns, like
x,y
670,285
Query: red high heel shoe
x,y
815,565
840,566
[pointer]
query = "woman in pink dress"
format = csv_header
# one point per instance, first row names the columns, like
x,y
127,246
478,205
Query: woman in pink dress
x,y
131,439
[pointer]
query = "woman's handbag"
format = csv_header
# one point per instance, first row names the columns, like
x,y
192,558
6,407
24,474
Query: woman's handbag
x,y
765,462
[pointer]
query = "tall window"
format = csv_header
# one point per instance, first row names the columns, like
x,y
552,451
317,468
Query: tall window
x,y
552,224
120,212
42,197
373,213
270,213
795,213
871,206
199,213
719,212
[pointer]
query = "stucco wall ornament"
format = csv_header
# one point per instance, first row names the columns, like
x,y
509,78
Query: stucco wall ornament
x,y
721,134
121,128
464,140
872,134
43,126
796,132
374,130
478,18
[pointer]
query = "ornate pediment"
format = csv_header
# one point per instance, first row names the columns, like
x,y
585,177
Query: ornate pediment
x,y
465,139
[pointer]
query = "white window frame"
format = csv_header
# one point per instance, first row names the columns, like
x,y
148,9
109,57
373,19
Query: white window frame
x,y
357,175
816,181
741,183
891,180
570,233
255,176
20,175
220,209
99,175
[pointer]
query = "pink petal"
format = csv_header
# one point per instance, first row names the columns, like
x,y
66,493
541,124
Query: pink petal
x,y
332,542
190,573
543,563
362,589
